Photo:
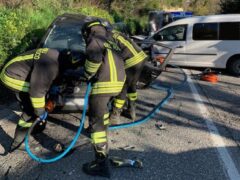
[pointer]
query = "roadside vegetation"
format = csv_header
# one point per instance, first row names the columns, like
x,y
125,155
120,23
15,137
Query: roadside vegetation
x,y
23,20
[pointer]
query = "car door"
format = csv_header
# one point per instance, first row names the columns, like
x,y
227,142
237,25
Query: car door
x,y
173,36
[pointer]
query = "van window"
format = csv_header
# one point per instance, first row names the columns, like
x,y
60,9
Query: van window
x,y
173,33
205,31
229,31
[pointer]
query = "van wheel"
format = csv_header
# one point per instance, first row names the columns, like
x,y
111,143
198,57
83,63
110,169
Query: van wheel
x,y
234,67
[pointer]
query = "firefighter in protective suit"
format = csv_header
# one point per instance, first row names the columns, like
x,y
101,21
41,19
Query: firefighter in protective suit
x,y
134,59
105,69
30,75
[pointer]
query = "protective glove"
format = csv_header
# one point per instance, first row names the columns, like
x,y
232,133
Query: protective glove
x,y
54,90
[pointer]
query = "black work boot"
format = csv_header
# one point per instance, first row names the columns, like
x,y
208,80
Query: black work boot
x,y
132,109
19,136
99,167
115,116
39,127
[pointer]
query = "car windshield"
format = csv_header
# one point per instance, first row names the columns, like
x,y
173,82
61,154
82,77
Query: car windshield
x,y
66,36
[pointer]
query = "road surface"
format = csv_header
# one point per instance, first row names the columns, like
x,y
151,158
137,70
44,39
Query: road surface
x,y
198,138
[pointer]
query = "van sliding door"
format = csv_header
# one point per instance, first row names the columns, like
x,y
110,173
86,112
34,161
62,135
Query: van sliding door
x,y
201,50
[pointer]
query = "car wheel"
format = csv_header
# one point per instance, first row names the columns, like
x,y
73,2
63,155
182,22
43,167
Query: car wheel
x,y
234,67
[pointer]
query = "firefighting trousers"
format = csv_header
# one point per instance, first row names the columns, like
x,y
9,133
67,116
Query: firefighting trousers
x,y
98,118
25,121
130,85
28,115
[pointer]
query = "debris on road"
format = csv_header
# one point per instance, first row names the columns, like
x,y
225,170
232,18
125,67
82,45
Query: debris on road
x,y
113,141
160,126
71,172
127,147
58,148
121,162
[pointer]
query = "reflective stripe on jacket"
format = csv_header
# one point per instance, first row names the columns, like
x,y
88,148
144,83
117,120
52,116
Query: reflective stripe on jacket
x,y
131,52
104,63
32,72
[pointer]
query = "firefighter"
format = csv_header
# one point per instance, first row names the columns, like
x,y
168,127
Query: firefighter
x,y
105,69
134,59
30,76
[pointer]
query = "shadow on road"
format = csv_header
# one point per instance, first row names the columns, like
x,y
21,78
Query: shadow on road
x,y
194,164
158,164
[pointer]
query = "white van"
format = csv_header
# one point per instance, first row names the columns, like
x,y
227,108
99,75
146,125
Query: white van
x,y
203,41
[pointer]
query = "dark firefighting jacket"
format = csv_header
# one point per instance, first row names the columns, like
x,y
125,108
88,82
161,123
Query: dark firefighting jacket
x,y
103,64
32,72
131,53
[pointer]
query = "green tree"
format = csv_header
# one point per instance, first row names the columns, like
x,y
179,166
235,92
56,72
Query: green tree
x,y
203,7
229,6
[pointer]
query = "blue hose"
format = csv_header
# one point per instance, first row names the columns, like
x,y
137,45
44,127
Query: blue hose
x,y
155,110
41,160
150,115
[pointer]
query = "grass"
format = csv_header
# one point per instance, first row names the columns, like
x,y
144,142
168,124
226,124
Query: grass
x,y
20,25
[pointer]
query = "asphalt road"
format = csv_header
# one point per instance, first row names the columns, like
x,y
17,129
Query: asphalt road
x,y
198,138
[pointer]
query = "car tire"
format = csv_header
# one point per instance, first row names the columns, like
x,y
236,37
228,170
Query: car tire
x,y
234,66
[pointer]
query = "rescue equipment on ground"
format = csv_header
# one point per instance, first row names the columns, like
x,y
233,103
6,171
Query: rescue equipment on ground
x,y
120,162
209,75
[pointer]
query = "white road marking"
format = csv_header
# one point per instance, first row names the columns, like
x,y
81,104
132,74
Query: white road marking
x,y
2,149
228,162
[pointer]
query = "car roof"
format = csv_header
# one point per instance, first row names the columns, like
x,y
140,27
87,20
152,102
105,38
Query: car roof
x,y
210,18
202,19
68,18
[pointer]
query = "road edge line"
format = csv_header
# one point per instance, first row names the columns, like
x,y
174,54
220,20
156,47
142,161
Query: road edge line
x,y
226,158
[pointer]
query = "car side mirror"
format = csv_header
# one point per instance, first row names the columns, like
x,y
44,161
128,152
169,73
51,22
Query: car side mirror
x,y
158,37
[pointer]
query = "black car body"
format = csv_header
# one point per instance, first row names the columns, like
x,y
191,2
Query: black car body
x,y
64,34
